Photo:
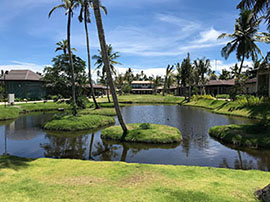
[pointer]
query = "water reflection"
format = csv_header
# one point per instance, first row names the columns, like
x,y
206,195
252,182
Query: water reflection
x,y
25,137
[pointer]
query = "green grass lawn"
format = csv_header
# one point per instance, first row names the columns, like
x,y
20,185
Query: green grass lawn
x,y
242,135
12,112
76,180
102,111
146,99
155,134
80,122
233,108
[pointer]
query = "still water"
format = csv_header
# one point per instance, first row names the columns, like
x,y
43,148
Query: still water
x,y
24,137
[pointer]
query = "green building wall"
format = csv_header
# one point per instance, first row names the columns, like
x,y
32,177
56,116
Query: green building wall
x,y
26,89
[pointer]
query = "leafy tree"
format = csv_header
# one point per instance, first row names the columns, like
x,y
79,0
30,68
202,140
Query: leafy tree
x,y
212,75
69,5
58,77
119,82
107,63
186,75
178,76
203,67
225,75
168,78
128,76
157,81
100,65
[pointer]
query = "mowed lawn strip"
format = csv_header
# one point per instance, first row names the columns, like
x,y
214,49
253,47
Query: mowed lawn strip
x,y
77,180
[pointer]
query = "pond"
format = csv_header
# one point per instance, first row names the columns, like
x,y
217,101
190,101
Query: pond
x,y
24,137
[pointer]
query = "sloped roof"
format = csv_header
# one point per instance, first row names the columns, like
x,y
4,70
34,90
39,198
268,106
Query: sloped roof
x,y
21,75
221,83
141,82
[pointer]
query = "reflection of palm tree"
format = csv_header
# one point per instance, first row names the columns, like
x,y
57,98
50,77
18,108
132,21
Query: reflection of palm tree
x,y
124,153
65,147
91,146
105,151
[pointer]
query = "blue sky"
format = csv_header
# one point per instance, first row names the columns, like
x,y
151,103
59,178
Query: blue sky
x,y
149,34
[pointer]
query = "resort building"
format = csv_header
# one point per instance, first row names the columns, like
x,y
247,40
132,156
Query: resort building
x,y
263,84
24,84
142,87
216,87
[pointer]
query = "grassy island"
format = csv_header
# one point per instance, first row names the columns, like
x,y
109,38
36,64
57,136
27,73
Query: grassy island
x,y
242,135
102,111
76,180
80,122
144,133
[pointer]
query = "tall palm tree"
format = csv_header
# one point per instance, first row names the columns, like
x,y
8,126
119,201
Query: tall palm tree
x,y
225,75
168,75
244,38
186,74
260,7
112,56
69,5
178,76
104,50
203,67
63,46
157,81
85,17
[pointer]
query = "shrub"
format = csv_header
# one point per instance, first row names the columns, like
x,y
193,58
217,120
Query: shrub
x,y
145,126
247,100
82,102
206,97
223,96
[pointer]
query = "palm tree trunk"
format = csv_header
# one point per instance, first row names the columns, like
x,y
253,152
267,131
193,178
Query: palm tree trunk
x,y
164,87
71,62
102,42
89,60
108,93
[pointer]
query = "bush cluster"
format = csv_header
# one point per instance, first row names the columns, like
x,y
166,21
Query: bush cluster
x,y
206,97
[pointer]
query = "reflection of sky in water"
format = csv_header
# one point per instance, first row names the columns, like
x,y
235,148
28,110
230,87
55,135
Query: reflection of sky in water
x,y
27,139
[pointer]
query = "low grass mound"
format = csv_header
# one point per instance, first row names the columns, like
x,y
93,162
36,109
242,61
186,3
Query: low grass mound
x,y
77,123
76,180
102,111
144,133
7,113
242,135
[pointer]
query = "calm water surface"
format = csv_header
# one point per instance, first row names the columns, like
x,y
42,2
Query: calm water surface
x,y
24,137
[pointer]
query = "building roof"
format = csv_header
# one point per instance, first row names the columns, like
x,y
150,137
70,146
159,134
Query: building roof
x,y
141,82
21,75
221,83
142,89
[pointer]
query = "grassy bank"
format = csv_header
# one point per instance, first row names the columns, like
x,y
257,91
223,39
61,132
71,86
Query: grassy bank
x,y
76,180
146,99
259,111
102,111
152,133
80,122
12,112
242,135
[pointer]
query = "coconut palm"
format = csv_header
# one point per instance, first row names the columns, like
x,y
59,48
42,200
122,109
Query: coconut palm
x,y
105,57
63,46
178,76
157,81
203,67
244,38
168,78
260,7
68,6
186,74
85,17
112,56
225,75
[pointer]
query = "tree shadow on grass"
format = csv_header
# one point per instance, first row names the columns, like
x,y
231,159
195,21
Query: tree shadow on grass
x,y
13,162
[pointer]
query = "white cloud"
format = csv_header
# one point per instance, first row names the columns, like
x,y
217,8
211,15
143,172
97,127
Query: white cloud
x,y
23,65
218,65
209,36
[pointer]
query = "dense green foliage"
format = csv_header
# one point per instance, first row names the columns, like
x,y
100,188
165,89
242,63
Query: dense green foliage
x,y
77,180
58,77
80,122
242,135
144,133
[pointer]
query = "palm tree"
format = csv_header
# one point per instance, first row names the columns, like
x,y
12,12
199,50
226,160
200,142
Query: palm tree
x,y
225,75
186,74
112,56
244,38
168,76
178,76
85,16
105,57
259,7
157,81
203,67
63,46
69,5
